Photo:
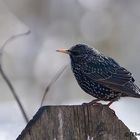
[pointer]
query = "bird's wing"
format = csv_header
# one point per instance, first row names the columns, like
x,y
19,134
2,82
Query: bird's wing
x,y
107,72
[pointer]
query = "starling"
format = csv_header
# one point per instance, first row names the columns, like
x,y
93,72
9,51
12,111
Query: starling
x,y
100,76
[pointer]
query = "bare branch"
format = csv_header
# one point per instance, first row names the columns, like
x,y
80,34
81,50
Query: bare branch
x,y
6,79
56,77
11,39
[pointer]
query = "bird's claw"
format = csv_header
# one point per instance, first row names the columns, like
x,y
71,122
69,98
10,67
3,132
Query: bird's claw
x,y
94,102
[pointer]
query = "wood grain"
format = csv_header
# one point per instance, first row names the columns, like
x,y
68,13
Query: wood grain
x,y
80,122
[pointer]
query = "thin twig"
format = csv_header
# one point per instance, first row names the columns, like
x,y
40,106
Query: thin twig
x,y
6,79
56,77
12,38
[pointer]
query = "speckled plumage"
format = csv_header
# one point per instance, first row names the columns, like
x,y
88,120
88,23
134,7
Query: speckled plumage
x,y
101,76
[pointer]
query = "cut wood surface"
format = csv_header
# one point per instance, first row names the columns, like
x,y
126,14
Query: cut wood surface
x,y
78,122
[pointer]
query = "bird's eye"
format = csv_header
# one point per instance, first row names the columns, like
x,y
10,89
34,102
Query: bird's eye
x,y
75,52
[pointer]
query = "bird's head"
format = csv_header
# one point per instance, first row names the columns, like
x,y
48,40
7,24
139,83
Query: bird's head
x,y
77,52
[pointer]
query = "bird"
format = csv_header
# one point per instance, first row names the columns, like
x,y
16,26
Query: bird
x,y
100,76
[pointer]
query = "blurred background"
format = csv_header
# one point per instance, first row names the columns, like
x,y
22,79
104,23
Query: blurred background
x,y
31,62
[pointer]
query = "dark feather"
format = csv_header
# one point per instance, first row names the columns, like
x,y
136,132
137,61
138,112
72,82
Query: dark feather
x,y
101,76
107,72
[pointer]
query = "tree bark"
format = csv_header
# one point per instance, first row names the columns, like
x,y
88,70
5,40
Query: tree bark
x,y
80,122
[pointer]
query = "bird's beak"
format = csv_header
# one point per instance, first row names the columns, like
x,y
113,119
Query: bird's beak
x,y
63,51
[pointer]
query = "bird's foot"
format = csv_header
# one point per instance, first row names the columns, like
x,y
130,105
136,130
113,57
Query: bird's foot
x,y
98,104
88,104
93,102
109,104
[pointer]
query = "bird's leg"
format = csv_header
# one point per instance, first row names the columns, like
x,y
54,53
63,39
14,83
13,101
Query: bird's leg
x,y
92,102
110,103
113,100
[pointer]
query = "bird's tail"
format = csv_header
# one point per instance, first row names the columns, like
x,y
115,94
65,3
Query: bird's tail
x,y
135,91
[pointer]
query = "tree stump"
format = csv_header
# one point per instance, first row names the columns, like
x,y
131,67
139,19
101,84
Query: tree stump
x,y
78,122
